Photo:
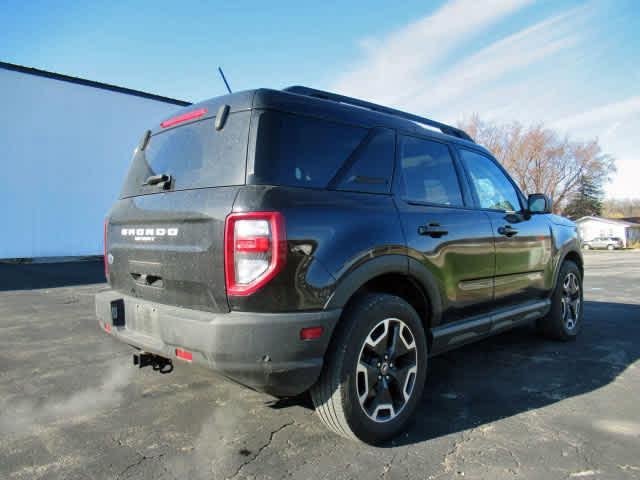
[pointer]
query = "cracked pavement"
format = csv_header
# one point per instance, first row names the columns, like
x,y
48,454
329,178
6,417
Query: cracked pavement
x,y
515,405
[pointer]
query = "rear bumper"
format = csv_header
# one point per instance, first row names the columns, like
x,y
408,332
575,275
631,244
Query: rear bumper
x,y
260,350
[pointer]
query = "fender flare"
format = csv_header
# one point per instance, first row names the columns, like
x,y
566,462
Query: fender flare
x,y
385,264
561,258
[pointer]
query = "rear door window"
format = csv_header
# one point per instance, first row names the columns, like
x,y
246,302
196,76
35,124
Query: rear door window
x,y
300,151
196,155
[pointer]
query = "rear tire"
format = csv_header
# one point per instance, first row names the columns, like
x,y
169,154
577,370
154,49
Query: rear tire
x,y
564,320
375,369
610,247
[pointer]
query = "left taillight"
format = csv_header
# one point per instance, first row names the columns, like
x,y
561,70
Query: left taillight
x,y
104,249
255,250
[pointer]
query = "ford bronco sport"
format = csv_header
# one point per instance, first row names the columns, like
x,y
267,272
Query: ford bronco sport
x,y
300,240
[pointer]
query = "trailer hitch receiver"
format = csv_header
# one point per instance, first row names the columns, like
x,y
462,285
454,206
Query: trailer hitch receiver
x,y
159,364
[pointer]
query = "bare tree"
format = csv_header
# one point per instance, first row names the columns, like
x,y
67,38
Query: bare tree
x,y
541,160
622,208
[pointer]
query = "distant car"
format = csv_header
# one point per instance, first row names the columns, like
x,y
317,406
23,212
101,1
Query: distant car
x,y
610,243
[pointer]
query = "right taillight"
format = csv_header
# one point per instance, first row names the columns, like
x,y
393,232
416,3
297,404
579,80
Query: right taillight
x,y
255,250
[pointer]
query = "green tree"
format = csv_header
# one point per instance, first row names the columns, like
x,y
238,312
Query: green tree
x,y
586,201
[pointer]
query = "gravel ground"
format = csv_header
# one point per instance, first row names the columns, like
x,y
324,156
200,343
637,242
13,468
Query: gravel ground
x,y
516,405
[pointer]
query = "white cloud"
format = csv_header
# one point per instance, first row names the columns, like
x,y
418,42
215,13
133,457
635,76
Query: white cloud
x,y
404,69
505,56
398,62
625,182
608,114
531,76
615,124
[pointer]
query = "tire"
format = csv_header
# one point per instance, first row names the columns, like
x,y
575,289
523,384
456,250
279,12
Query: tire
x,y
352,370
586,247
610,247
564,320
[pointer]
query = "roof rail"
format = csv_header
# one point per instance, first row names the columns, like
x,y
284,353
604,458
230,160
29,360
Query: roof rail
x,y
444,128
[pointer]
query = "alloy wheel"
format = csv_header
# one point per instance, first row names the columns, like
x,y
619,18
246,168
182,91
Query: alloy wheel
x,y
571,300
387,369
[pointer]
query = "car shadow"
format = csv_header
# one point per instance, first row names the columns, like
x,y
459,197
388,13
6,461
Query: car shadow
x,y
517,371
32,276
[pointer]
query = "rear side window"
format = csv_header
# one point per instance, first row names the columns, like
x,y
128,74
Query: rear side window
x,y
370,167
300,151
196,155
428,173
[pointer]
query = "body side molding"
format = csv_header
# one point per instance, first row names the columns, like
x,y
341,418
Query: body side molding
x,y
454,335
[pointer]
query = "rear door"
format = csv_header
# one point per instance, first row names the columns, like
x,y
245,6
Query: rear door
x,y
523,242
443,231
165,240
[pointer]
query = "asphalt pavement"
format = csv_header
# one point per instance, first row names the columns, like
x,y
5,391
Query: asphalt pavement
x,y
513,406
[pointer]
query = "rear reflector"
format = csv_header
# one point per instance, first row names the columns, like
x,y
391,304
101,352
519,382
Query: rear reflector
x,y
184,117
184,355
311,333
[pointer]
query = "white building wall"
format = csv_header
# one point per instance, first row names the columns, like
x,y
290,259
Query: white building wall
x,y
590,229
64,151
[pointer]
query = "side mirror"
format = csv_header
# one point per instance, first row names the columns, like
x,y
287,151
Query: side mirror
x,y
539,203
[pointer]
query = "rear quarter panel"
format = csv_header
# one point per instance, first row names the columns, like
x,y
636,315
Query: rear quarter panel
x,y
329,235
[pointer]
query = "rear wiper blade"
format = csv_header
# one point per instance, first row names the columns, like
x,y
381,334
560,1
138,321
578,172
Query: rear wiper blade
x,y
155,179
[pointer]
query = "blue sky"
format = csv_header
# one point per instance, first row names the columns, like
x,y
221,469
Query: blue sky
x,y
571,65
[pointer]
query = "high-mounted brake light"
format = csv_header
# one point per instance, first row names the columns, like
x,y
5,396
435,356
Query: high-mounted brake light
x,y
255,250
104,249
183,118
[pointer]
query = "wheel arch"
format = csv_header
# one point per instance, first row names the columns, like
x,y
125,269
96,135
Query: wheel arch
x,y
573,256
395,275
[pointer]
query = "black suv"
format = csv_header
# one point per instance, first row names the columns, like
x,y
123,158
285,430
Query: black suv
x,y
299,240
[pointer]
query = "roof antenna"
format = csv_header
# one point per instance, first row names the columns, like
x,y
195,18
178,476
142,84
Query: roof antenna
x,y
224,79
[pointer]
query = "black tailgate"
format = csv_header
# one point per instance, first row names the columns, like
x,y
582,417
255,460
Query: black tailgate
x,y
169,248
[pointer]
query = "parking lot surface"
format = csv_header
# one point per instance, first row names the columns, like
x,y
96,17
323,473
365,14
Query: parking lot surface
x,y
516,405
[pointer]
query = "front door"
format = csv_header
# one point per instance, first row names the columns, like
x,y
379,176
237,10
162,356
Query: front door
x,y
444,233
523,242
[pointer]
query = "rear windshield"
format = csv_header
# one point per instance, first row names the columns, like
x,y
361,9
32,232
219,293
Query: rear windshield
x,y
196,155
300,151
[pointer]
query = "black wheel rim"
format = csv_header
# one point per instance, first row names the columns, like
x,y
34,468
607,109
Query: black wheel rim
x,y
387,369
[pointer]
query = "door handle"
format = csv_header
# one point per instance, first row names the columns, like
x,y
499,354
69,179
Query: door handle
x,y
433,230
507,231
